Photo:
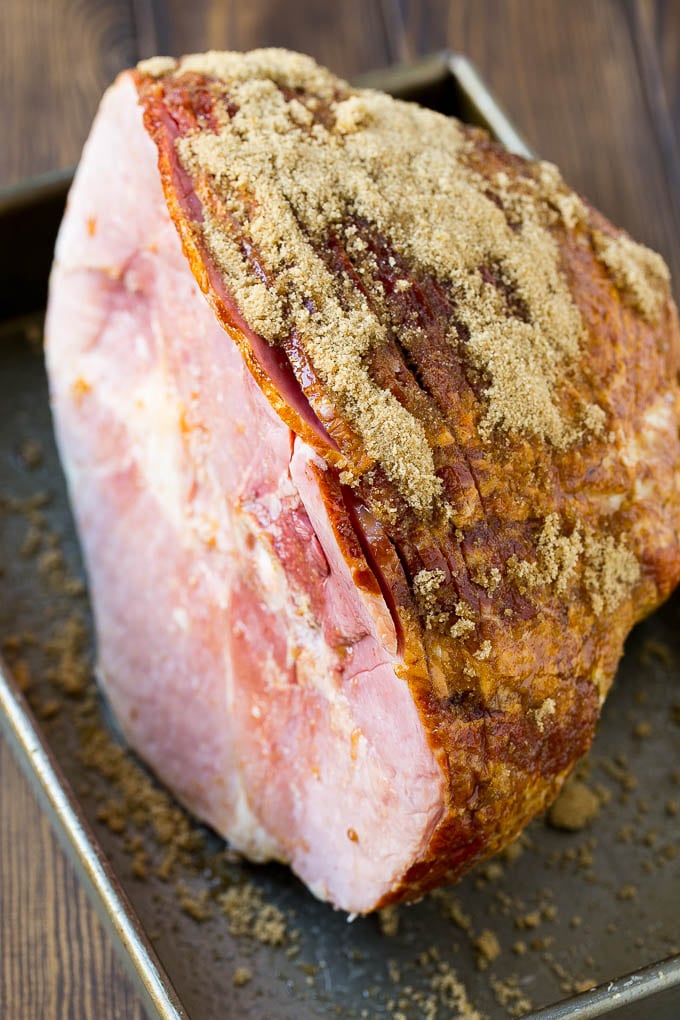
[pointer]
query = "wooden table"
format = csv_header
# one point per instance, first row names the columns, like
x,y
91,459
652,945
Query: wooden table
x,y
593,84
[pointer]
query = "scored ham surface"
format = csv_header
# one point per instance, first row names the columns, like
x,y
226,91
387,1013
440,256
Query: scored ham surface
x,y
376,675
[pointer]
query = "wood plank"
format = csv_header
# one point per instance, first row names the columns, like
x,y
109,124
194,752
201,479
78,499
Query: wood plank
x,y
349,37
662,20
56,59
56,961
568,75
655,27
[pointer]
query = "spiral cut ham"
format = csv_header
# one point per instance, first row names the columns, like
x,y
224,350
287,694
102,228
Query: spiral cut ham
x,y
371,434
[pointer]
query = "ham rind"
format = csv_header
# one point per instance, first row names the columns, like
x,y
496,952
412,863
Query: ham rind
x,y
242,659
371,434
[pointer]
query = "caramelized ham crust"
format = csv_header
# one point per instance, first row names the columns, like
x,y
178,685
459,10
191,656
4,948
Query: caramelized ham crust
x,y
368,520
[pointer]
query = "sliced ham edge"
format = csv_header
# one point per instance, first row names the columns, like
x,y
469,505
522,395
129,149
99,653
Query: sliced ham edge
x,y
244,641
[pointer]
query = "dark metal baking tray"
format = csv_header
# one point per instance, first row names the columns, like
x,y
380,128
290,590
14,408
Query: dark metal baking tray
x,y
590,905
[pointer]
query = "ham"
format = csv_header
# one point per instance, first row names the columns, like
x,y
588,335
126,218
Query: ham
x,y
379,698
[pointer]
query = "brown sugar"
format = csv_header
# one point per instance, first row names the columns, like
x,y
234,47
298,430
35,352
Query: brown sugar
x,y
299,161
249,915
70,670
640,274
487,947
196,905
575,808
608,567
388,918
426,584
241,976
510,996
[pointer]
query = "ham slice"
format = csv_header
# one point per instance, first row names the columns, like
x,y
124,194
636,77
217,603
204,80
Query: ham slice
x,y
379,701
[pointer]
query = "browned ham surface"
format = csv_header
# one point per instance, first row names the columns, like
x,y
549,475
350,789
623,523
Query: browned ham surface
x,y
371,433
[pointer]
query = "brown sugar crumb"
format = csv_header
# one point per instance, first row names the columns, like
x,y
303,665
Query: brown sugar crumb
x,y
642,730
487,947
51,566
426,584
156,67
70,670
640,274
196,905
388,919
483,652
452,909
611,572
627,892
141,802
465,623
553,190
449,993
575,808
293,172
241,976
510,996
609,569
488,579
113,815
514,850
351,114
249,915
546,709
140,864
530,920
557,556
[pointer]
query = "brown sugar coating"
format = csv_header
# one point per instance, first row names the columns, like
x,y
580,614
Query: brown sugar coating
x,y
487,367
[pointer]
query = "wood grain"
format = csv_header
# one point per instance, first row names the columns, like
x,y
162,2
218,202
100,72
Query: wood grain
x,y
659,19
350,37
593,84
55,960
56,59
652,23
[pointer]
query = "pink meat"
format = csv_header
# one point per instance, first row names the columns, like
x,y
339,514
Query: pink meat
x,y
243,660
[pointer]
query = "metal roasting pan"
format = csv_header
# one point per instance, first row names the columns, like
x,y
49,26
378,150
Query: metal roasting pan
x,y
588,906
